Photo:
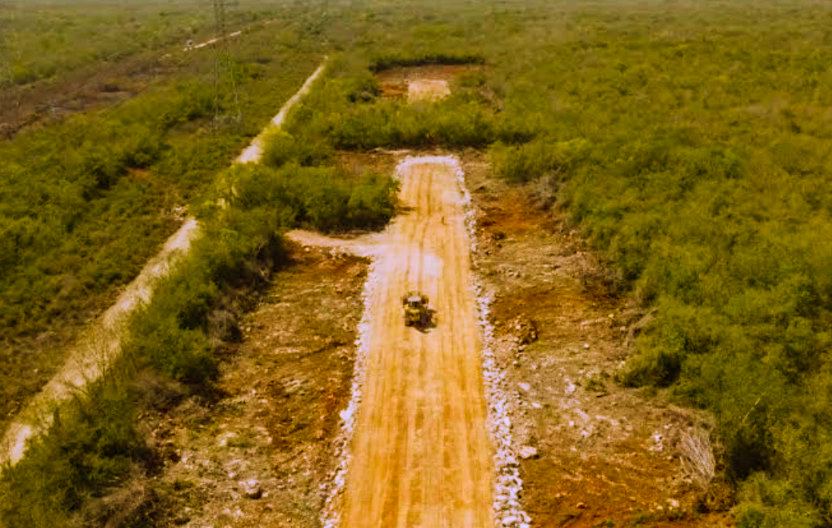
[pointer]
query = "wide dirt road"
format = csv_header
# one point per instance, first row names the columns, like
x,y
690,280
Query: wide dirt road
x,y
421,454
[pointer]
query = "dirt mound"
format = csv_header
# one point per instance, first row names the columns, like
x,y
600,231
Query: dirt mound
x,y
522,330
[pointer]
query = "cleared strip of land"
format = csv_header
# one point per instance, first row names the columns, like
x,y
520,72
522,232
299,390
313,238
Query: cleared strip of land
x,y
421,454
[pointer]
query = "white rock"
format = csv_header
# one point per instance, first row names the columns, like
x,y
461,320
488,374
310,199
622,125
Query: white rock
x,y
527,452
524,386
252,489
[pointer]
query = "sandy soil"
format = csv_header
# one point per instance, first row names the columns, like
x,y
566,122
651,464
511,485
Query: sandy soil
x,y
191,46
414,83
427,90
421,455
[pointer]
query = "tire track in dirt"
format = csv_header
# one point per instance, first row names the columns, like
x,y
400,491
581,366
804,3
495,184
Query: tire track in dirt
x,y
421,453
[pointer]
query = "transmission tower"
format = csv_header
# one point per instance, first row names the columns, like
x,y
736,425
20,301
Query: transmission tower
x,y
223,65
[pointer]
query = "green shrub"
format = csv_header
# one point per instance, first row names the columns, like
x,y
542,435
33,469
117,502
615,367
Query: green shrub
x,y
774,504
454,123
92,445
282,148
657,366
538,158
372,201
360,88
323,198
169,335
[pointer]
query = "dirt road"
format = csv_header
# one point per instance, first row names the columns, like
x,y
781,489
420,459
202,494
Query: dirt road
x,y
421,454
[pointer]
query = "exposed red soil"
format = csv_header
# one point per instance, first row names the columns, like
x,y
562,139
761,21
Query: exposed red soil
x,y
395,82
283,387
605,455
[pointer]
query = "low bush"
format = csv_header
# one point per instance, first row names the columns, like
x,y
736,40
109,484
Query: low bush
x,y
536,159
91,445
282,148
454,123
323,198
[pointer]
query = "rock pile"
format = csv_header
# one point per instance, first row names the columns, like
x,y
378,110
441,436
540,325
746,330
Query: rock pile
x,y
508,511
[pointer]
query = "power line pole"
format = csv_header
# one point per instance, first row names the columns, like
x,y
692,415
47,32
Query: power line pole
x,y
222,61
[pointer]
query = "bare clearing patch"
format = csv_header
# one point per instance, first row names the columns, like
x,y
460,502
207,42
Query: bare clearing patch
x,y
273,432
429,82
427,90
364,246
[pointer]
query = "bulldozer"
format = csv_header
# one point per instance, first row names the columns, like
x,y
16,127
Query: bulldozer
x,y
416,311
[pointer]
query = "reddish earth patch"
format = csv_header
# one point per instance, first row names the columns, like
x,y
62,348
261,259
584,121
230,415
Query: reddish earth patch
x,y
283,387
602,455
395,82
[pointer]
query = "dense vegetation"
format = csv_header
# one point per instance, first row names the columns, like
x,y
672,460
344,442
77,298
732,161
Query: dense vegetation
x,y
94,444
689,140
85,202
692,146
101,177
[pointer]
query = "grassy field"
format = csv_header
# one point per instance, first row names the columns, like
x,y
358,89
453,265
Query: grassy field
x,y
689,141
43,39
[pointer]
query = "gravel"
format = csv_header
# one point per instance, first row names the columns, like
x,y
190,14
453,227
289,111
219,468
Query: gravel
x,y
508,512
333,488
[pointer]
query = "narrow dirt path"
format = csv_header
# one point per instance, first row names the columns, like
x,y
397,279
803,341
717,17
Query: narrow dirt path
x,y
99,347
421,454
